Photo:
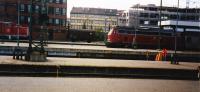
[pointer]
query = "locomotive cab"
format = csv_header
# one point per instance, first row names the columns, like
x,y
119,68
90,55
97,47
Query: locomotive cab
x,y
119,36
111,37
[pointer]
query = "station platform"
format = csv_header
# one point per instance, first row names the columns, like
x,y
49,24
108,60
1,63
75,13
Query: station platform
x,y
96,43
60,67
102,52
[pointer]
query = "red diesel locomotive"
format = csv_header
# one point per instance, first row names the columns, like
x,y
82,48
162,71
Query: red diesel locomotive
x,y
11,29
143,38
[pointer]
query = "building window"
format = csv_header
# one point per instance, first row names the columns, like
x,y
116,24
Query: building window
x,y
37,9
146,22
63,11
73,15
50,1
36,21
43,10
29,8
154,23
22,19
114,23
154,15
144,15
64,1
38,0
50,10
64,22
22,7
29,19
141,21
57,21
57,1
50,21
57,11
173,17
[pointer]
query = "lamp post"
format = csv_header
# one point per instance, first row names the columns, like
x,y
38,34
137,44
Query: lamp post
x,y
105,35
118,19
136,17
109,20
29,50
17,52
175,42
160,19
199,14
18,22
110,23
30,26
44,17
105,25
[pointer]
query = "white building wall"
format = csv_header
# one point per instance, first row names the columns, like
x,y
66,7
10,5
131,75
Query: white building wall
x,y
182,23
123,19
93,22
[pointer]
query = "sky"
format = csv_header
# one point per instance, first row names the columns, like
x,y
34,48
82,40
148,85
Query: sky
x,y
125,4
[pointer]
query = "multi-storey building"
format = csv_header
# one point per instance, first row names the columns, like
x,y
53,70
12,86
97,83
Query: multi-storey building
x,y
93,18
149,15
14,10
122,17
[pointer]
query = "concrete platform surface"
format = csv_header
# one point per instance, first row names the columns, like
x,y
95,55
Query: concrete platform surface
x,y
102,52
55,67
103,63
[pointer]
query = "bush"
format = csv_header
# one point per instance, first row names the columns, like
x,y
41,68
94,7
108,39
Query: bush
x,y
99,35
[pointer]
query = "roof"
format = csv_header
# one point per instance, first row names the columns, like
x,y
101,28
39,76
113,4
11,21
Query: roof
x,y
174,9
94,11
189,24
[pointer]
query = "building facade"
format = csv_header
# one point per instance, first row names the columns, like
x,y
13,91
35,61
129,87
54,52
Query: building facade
x,y
149,15
56,10
122,17
93,18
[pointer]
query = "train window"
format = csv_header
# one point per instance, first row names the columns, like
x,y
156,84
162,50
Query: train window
x,y
8,24
129,32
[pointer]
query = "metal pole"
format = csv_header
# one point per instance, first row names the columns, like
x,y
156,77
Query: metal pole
x,y
18,22
29,51
136,17
160,19
105,37
117,19
199,14
110,23
105,24
30,25
175,42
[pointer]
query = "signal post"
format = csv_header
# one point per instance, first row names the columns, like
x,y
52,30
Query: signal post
x,y
38,52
